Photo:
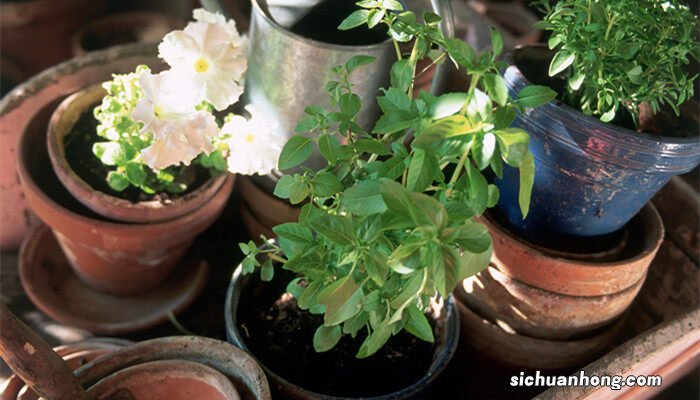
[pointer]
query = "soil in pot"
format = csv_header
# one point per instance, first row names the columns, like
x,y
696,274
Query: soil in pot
x,y
281,338
78,146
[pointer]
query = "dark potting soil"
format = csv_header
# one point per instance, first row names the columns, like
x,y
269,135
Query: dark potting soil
x,y
280,336
78,147
664,123
322,20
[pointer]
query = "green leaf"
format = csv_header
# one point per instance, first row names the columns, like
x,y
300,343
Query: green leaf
x,y
527,180
308,124
473,263
364,199
358,61
117,181
420,208
447,105
297,150
354,324
402,75
561,61
110,153
496,87
513,144
329,147
294,232
349,104
417,324
535,96
336,228
136,173
354,20
342,300
445,269
393,122
483,149
285,186
576,81
267,271
310,295
375,341
372,146
326,337
462,53
472,236
450,127
422,170
325,184
496,42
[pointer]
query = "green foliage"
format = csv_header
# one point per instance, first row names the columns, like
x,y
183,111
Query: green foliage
x,y
124,142
622,53
385,227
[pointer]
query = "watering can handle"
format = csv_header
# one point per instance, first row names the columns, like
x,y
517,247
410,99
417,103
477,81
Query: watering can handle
x,y
443,8
33,360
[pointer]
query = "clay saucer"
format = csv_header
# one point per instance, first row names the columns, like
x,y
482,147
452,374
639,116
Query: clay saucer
x,y
55,289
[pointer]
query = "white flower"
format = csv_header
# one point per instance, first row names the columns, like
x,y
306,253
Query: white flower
x,y
211,55
165,98
253,147
203,15
180,141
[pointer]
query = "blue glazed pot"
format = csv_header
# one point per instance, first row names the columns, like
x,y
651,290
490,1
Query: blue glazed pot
x,y
591,177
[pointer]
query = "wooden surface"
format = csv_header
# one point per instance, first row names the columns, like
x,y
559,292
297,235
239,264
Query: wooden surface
x,y
671,289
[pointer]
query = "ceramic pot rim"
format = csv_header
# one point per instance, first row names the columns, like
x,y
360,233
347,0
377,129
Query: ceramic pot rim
x,y
653,237
102,203
441,357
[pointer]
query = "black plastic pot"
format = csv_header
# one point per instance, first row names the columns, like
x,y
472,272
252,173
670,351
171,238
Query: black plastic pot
x,y
448,339
591,177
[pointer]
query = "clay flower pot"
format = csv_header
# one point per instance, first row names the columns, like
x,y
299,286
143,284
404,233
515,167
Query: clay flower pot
x,y
115,257
263,211
510,347
75,354
533,265
176,368
447,334
592,177
123,28
166,380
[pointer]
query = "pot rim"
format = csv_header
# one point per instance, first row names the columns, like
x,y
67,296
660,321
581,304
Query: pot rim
x,y
441,357
596,123
257,10
650,218
109,206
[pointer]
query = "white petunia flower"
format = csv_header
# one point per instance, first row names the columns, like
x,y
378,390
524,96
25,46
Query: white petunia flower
x,y
165,98
211,56
203,15
253,147
181,141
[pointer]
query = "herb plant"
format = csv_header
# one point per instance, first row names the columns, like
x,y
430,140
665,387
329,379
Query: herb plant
x,y
385,227
156,125
627,54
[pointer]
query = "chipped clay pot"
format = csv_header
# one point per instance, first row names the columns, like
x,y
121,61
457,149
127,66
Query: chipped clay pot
x,y
111,256
173,368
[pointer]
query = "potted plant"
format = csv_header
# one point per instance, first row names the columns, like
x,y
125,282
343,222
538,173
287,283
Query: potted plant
x,y
146,155
386,230
624,122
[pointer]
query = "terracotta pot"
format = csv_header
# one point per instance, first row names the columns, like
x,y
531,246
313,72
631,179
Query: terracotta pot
x,y
115,257
538,313
512,348
75,354
166,380
31,104
61,124
517,258
263,211
234,364
128,27
514,18
36,33
448,332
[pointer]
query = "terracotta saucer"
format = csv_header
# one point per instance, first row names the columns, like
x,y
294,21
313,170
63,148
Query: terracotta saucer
x,y
55,289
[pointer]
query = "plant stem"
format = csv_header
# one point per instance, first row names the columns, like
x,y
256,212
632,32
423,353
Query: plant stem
x,y
437,60
458,170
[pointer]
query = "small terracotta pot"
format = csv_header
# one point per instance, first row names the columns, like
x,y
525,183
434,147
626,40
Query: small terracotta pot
x,y
116,29
512,348
519,259
234,364
539,313
120,258
75,354
166,380
61,124
36,33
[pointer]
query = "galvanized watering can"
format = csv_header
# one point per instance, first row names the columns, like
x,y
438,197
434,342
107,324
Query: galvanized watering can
x,y
288,72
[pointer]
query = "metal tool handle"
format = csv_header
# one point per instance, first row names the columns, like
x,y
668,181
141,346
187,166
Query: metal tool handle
x,y
33,360
443,8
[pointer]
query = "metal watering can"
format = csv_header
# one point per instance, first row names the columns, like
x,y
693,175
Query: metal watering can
x,y
288,72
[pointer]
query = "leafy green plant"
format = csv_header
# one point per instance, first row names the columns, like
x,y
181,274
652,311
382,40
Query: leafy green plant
x,y
386,226
625,54
125,141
